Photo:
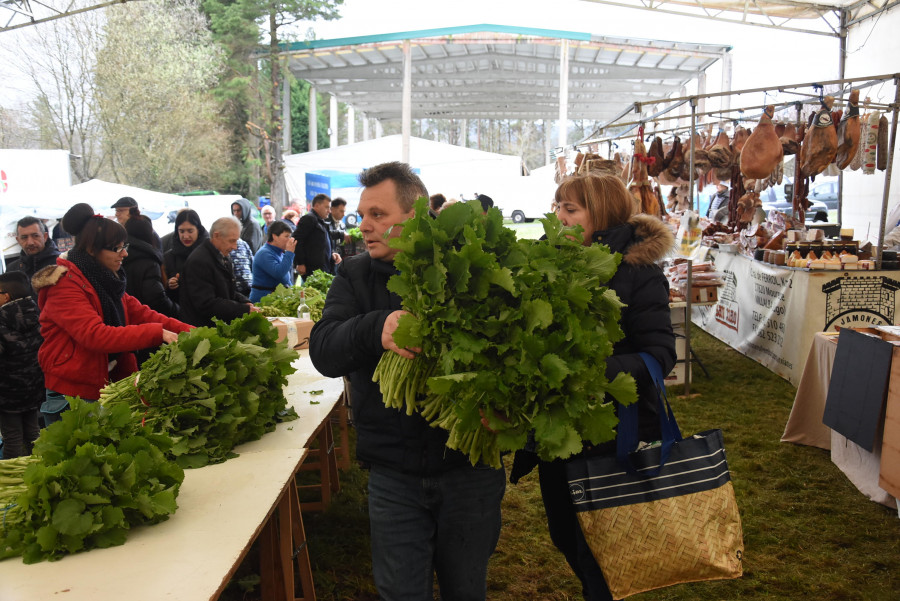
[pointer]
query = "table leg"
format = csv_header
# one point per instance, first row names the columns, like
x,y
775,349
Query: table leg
x,y
323,460
282,540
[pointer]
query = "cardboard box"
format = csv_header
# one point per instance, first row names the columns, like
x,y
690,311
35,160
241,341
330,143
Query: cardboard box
x,y
704,294
296,331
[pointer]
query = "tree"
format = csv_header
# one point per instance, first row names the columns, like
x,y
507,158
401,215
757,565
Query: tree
x,y
300,117
153,77
251,93
57,60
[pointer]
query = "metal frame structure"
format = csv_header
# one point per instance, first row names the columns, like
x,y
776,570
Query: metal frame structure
x,y
22,13
830,18
498,72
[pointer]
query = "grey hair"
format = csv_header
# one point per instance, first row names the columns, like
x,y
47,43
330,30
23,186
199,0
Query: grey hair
x,y
224,224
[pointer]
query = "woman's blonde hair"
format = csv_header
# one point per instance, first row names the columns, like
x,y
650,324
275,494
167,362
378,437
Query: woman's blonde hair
x,y
605,197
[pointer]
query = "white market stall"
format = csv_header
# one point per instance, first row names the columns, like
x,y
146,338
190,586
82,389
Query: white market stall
x,y
451,170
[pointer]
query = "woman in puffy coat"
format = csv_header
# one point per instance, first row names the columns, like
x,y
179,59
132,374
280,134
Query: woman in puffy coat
x,y
607,211
143,268
189,234
91,326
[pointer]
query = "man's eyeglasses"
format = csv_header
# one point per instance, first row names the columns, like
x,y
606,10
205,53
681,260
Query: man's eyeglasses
x,y
117,249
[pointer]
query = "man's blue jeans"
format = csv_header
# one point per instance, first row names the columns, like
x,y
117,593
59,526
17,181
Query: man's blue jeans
x,y
447,524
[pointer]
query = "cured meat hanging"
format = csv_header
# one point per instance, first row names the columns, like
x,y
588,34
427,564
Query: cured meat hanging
x,y
820,142
639,183
789,143
762,151
848,133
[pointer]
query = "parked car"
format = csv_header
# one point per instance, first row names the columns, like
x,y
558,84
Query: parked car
x,y
777,198
825,192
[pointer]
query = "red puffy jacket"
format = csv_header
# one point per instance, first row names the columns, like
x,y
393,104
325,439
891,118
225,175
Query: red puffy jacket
x,y
77,344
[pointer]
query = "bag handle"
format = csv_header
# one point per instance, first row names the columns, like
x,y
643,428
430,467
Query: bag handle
x,y
627,430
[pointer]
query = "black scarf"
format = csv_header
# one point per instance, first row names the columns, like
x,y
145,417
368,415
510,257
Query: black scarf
x,y
109,286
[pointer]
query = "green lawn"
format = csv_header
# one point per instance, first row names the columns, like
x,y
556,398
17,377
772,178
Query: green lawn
x,y
808,532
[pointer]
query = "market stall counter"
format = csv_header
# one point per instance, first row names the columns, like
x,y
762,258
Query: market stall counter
x,y
222,509
772,313
805,424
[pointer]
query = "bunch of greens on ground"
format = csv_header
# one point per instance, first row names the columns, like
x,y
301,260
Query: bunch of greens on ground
x,y
283,302
212,389
516,332
93,476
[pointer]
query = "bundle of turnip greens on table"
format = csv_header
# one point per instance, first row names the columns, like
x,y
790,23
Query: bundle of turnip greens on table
x,y
93,476
212,389
106,467
514,331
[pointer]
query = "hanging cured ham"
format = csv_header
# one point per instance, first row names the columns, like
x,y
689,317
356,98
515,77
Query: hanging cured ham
x,y
848,133
820,142
640,182
655,166
719,153
789,143
762,151
675,159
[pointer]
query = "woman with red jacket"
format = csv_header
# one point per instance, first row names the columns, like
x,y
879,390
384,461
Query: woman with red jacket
x,y
91,327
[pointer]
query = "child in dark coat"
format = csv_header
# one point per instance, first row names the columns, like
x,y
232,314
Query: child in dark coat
x,y
22,387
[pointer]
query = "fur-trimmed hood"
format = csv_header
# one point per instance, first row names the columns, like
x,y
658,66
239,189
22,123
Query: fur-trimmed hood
x,y
643,240
48,276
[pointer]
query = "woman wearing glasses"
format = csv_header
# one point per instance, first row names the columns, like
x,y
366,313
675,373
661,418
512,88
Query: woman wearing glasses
x,y
91,326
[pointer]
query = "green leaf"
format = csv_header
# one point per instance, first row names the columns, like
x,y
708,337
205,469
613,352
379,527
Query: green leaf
x,y
538,314
201,351
623,388
69,517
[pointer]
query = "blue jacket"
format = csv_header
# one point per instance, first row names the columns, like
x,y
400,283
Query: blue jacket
x,y
271,266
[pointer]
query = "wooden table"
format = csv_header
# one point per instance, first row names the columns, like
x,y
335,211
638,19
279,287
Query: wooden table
x,y
222,510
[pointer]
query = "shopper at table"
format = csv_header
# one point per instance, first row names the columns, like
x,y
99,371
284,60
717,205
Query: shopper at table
x,y
314,249
91,326
273,264
207,283
189,235
143,268
22,385
605,209
430,511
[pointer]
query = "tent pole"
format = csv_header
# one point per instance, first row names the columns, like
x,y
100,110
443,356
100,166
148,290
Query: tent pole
x,y
890,168
406,108
313,110
562,137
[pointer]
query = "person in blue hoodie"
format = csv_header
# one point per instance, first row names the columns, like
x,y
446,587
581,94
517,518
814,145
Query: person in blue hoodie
x,y
273,263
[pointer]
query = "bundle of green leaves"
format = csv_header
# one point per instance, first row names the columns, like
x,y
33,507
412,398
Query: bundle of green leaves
x,y
212,389
320,280
93,476
283,301
513,331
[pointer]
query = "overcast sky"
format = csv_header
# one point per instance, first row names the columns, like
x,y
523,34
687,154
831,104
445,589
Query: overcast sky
x,y
761,57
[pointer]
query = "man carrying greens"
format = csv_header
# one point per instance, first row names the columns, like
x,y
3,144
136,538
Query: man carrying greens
x,y
431,512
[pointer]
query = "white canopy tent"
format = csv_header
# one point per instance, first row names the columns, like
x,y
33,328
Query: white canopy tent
x,y
97,193
451,170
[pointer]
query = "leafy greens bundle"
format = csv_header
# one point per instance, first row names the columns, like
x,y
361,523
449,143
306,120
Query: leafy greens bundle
x,y
93,476
513,331
212,389
283,302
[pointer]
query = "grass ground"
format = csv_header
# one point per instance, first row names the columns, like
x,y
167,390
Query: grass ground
x,y
808,533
